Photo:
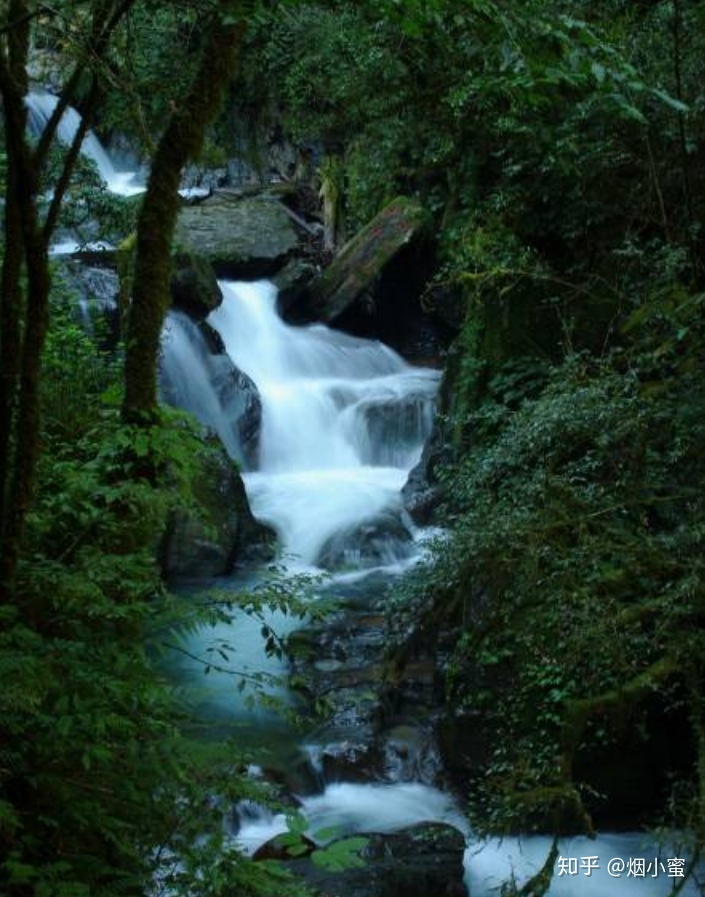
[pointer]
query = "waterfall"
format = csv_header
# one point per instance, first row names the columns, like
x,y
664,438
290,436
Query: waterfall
x,y
40,107
343,421
207,385
348,808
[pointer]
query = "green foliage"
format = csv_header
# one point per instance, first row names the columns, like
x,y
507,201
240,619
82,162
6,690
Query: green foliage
x,y
79,367
153,59
573,567
89,210
102,792
325,846
102,789
341,855
558,136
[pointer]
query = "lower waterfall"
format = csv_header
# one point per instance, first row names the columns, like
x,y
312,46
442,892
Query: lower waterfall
x,y
343,421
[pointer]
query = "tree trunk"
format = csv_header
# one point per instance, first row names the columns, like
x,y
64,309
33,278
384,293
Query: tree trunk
x,y
180,142
14,371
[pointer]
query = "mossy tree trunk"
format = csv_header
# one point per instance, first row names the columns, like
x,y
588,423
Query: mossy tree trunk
x,y
180,142
18,192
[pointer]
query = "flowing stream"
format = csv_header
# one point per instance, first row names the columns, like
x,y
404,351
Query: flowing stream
x,y
343,422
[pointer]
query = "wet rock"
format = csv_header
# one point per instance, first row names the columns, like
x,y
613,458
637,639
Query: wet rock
x,y
198,376
377,729
97,289
285,847
422,861
382,540
410,754
241,404
349,761
419,496
293,278
395,428
422,494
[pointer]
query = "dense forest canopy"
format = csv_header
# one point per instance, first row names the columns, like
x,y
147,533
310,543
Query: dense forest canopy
x,y
559,149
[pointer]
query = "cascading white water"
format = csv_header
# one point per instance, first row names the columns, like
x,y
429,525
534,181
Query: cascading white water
x,y
610,865
189,373
347,808
40,107
343,421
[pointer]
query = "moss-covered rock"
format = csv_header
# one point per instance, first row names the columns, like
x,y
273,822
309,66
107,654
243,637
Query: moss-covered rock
x,y
217,531
419,861
292,280
194,286
239,237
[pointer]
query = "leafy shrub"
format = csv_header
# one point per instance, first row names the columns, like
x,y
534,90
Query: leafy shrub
x,y
573,575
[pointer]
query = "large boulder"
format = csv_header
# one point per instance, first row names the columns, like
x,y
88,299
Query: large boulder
x,y
217,531
240,237
353,272
382,539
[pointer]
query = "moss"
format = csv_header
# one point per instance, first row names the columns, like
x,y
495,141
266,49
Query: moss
x,y
215,530
194,286
615,702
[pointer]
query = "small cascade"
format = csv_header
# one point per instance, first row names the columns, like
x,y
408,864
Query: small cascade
x,y
610,865
40,107
343,421
209,386
346,808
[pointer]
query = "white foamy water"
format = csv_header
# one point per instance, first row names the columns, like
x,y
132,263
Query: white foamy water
x,y
597,867
41,105
343,421
585,867
347,808
190,372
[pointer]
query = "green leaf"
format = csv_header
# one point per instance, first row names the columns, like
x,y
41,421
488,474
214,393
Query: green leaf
x,y
599,72
670,101
341,855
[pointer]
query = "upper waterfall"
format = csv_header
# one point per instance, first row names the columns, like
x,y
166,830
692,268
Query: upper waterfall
x,y
343,421
41,106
